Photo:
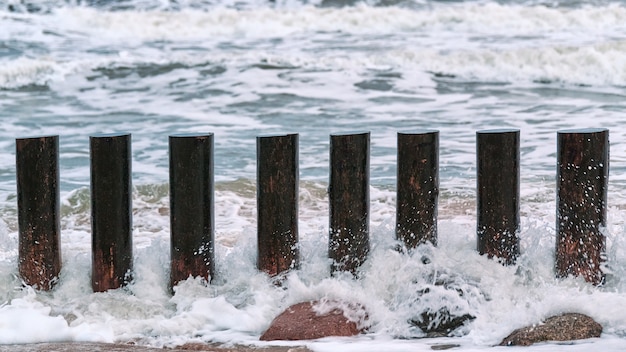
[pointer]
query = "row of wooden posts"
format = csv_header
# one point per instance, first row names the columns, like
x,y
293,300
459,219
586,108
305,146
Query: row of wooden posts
x,y
582,179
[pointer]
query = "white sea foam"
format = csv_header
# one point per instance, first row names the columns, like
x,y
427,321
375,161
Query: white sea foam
x,y
475,41
241,72
598,64
23,72
239,305
226,23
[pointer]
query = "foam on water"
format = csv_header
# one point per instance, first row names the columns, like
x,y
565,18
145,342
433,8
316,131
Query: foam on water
x,y
468,18
240,69
489,42
241,302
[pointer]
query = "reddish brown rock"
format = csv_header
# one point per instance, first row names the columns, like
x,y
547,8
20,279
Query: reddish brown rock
x,y
565,327
302,322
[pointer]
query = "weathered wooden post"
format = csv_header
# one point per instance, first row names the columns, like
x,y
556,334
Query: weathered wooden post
x,y
192,217
498,188
349,198
582,183
417,188
277,203
38,209
111,211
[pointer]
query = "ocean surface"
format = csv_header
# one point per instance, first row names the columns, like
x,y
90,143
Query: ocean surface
x,y
242,68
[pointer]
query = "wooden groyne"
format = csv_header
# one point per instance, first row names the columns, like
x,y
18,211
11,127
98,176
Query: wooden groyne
x,y
582,184
582,180
349,197
277,203
111,211
498,193
192,215
38,206
417,185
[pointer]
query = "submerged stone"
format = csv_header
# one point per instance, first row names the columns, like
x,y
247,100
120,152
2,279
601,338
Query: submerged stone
x,y
440,323
442,305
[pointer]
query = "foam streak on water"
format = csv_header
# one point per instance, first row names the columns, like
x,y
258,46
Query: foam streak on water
x,y
244,68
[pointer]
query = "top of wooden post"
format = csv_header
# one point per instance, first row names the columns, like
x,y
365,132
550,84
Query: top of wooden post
x,y
36,137
412,132
498,130
349,133
191,135
109,135
583,130
276,135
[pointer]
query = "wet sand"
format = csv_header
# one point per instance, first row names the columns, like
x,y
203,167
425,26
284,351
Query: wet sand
x,y
85,347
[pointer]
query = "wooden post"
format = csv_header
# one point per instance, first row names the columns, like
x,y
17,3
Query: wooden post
x,y
349,201
498,187
582,183
38,208
111,211
192,217
417,188
277,203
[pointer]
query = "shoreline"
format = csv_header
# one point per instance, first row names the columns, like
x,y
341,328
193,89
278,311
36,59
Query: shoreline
x,y
117,347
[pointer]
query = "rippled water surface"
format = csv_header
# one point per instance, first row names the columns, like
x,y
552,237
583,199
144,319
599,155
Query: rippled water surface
x,y
240,69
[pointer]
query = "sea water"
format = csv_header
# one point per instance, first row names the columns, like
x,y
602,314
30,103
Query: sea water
x,y
243,68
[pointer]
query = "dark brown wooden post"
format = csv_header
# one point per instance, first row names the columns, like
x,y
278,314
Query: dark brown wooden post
x,y
111,211
277,203
417,188
192,217
38,210
498,181
582,183
349,201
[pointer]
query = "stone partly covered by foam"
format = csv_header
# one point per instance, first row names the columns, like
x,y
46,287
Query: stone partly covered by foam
x,y
312,320
440,323
565,327
442,301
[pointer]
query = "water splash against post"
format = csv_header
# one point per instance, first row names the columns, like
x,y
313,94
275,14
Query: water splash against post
x,y
417,188
349,201
277,203
498,190
582,183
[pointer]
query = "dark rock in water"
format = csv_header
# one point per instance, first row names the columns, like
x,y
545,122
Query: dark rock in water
x,y
302,322
440,323
444,346
338,3
443,304
565,327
